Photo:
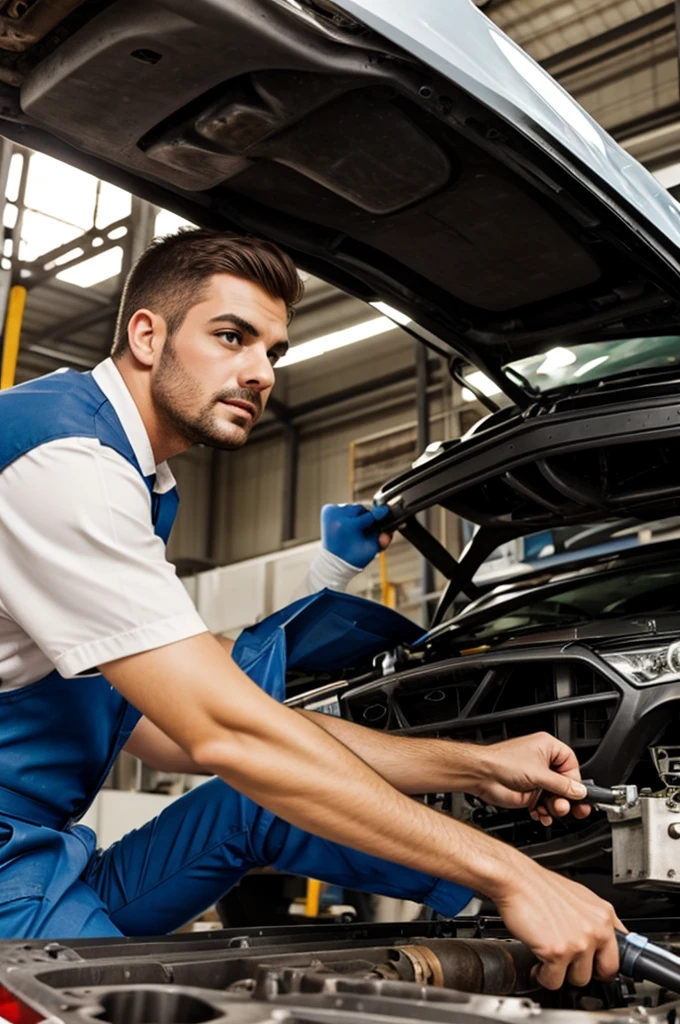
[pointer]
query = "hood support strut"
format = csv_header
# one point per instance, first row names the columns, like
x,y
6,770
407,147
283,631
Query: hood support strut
x,y
458,573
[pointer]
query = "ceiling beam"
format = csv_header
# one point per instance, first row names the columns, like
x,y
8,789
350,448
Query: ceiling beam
x,y
612,35
76,324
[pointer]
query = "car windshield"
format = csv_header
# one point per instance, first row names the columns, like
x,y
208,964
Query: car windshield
x,y
584,363
614,595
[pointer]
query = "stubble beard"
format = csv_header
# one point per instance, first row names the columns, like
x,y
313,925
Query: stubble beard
x,y
175,389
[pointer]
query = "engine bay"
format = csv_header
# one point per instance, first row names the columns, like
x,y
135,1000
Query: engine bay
x,y
467,969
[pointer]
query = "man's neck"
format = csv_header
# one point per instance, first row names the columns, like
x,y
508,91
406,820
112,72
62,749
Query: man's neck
x,y
164,439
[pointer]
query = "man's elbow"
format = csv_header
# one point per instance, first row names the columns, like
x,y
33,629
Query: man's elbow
x,y
221,754
240,755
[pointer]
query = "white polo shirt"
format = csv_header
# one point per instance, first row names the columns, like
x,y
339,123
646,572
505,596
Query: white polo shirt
x,y
83,577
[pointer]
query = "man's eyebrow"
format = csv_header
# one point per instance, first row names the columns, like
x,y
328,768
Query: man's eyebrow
x,y
238,321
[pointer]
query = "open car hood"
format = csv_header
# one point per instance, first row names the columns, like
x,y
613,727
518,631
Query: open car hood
x,y
405,152
587,456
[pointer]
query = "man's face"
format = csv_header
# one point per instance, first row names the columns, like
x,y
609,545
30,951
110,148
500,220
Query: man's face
x,y
216,372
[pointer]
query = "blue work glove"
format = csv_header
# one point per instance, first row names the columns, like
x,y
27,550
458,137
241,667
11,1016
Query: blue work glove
x,y
346,531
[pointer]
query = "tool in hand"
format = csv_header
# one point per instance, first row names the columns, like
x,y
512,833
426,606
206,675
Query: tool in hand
x,y
641,960
597,796
615,796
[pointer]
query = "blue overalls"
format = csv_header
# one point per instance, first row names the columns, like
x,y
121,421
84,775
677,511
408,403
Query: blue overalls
x,y
59,739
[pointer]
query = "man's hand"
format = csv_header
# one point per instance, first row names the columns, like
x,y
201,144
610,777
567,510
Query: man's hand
x,y
347,531
524,772
568,928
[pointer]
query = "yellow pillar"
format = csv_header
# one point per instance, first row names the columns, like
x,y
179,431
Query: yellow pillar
x,y
312,900
10,348
388,594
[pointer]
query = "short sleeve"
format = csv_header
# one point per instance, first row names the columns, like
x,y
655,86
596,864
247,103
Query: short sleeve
x,y
83,573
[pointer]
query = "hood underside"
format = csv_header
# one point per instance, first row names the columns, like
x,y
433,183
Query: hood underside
x,y
379,173
580,458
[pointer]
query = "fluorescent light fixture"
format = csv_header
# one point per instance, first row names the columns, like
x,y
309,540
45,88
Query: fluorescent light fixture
x,y
556,359
590,365
392,313
482,383
338,339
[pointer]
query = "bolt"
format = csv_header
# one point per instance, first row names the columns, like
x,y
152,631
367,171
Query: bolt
x,y
674,830
425,91
671,873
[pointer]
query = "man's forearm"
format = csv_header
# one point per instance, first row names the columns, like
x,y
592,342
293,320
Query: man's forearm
x,y
410,765
288,765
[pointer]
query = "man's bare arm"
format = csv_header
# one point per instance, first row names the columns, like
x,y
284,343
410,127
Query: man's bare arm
x,y
283,761
410,765
195,694
501,773
158,751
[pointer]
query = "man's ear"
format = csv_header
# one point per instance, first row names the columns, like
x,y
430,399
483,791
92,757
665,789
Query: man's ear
x,y
146,336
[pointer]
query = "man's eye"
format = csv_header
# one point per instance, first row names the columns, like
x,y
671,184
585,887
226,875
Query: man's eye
x,y
229,337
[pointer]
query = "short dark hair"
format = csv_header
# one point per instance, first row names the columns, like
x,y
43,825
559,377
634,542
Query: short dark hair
x,y
170,275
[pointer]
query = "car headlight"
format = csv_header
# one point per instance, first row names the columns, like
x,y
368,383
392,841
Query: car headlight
x,y
647,666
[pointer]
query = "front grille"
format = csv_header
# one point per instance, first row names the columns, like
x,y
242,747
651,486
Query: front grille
x,y
486,700
498,696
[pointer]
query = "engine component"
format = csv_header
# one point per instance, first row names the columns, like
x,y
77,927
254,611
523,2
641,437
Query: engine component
x,y
646,829
646,854
478,965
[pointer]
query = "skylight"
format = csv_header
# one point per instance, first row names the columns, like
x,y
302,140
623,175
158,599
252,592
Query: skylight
x,y
61,202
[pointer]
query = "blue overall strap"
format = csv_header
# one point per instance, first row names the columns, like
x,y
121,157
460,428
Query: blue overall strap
x,y
163,510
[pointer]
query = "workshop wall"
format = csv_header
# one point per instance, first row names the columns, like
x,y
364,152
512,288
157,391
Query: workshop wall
x,y
250,501
189,537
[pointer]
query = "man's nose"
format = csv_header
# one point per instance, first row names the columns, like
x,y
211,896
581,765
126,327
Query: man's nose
x,y
256,370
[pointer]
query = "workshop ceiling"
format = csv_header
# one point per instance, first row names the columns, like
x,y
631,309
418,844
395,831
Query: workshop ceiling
x,y
618,58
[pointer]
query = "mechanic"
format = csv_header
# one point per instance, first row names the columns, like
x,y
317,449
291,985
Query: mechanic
x,y
101,649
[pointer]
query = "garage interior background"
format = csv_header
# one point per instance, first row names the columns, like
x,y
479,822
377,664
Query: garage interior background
x,y
357,399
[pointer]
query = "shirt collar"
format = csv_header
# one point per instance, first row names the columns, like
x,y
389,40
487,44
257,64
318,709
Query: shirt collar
x,y
107,376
